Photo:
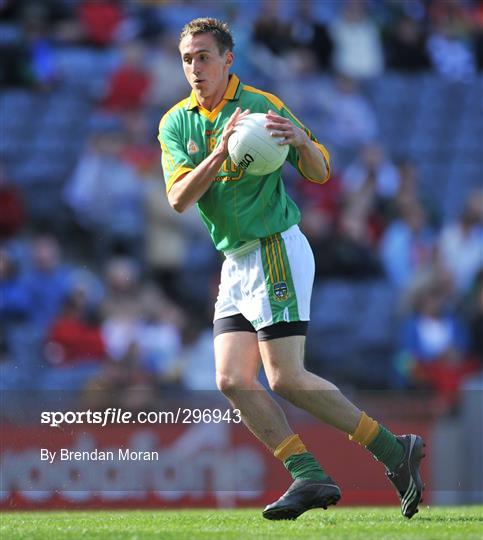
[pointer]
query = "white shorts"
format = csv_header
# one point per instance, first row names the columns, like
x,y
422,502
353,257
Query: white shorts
x,y
271,283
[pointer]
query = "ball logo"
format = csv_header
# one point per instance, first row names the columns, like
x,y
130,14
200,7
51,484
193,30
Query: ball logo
x,y
247,159
253,149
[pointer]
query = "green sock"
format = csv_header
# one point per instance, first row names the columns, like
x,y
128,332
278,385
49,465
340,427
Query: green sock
x,y
304,466
386,448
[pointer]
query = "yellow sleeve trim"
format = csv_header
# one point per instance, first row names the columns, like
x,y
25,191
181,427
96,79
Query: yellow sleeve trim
x,y
176,176
178,105
274,100
326,156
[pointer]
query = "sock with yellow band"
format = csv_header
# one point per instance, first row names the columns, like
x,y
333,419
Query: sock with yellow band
x,y
379,441
299,463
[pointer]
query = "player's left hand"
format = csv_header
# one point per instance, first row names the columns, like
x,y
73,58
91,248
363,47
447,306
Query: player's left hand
x,y
283,128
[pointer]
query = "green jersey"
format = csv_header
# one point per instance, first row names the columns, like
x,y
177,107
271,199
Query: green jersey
x,y
238,208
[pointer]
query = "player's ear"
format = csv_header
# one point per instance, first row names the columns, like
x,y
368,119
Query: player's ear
x,y
229,57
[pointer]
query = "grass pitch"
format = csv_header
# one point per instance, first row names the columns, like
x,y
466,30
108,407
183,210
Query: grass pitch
x,y
345,523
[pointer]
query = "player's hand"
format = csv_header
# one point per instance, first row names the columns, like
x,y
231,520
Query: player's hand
x,y
230,127
283,129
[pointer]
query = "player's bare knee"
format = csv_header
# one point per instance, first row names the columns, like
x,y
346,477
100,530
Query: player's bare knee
x,y
281,384
229,384
284,383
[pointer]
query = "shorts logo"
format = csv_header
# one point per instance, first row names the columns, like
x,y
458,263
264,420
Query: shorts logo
x,y
192,147
256,321
280,290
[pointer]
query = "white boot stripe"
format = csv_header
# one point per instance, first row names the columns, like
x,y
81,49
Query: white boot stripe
x,y
409,495
410,498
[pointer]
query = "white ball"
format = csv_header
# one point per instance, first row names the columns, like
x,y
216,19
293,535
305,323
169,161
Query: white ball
x,y
253,149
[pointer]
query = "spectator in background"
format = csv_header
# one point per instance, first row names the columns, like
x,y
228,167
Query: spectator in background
x,y
357,43
195,362
340,230
158,339
461,243
167,237
270,30
434,348
122,384
301,71
12,214
307,32
139,148
20,339
15,64
129,84
167,80
128,301
27,56
345,249
74,347
15,301
326,202
408,192
372,167
449,44
122,306
406,46
101,21
7,365
371,184
407,246
432,274
42,55
47,280
106,195
74,337
476,320
477,23
140,326
351,121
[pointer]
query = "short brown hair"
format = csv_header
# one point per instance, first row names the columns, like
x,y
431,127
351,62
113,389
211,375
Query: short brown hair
x,y
205,25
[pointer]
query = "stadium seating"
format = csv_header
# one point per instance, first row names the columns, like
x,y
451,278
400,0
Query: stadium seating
x,y
352,335
421,116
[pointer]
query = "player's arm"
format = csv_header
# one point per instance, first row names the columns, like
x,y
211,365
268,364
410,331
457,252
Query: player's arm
x,y
312,160
190,186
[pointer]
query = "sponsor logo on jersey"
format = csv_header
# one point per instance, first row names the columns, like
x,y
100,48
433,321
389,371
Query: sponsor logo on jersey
x,y
280,290
192,147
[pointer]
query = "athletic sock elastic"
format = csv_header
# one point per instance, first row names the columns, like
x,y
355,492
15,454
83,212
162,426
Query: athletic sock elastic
x,y
386,448
298,462
304,466
379,441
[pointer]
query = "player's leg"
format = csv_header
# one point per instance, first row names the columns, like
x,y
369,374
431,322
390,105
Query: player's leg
x,y
288,267
237,365
283,359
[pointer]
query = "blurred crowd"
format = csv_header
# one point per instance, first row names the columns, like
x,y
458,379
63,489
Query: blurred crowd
x,y
119,297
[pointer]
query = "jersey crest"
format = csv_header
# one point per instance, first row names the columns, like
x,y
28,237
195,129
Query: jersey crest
x,y
192,147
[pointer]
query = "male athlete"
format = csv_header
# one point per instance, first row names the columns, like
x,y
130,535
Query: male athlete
x,y
262,310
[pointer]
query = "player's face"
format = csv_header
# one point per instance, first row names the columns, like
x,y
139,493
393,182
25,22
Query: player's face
x,y
204,67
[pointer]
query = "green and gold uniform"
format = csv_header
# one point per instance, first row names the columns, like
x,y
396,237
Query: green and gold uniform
x,y
238,208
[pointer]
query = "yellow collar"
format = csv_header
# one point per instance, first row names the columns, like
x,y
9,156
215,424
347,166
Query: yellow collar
x,y
229,95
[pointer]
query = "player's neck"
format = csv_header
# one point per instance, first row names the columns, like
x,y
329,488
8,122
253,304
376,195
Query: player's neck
x,y
210,102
